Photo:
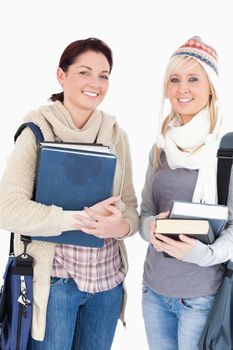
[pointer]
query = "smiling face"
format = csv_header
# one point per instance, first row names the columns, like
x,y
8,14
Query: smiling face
x,y
188,90
85,83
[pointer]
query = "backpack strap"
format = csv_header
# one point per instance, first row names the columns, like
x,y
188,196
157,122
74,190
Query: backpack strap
x,y
34,128
225,158
39,138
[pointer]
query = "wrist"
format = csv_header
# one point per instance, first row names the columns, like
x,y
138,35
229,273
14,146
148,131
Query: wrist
x,y
125,231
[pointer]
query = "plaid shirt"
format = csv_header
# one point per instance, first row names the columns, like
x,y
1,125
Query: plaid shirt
x,y
93,269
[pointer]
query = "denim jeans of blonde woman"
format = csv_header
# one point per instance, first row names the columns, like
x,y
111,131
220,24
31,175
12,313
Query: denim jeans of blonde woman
x,y
174,323
79,320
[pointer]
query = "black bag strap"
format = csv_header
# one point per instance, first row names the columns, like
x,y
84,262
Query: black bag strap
x,y
39,138
225,158
34,128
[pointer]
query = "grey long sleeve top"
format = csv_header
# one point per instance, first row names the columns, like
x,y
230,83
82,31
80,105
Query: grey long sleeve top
x,y
200,272
204,255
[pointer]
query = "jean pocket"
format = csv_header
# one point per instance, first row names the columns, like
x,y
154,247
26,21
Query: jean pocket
x,y
203,303
56,281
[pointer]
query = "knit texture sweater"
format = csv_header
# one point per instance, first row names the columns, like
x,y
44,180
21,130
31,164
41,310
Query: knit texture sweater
x,y
20,214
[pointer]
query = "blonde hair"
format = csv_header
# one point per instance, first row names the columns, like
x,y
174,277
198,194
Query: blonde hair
x,y
176,63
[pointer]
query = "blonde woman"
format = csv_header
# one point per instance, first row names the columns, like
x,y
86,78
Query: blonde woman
x,y
178,292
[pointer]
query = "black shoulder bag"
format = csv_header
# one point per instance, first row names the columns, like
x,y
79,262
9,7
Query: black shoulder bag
x,y
218,332
17,292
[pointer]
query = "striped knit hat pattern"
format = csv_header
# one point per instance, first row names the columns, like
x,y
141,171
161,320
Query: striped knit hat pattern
x,y
200,51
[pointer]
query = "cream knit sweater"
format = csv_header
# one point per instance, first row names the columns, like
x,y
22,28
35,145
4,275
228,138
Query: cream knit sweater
x,y
19,214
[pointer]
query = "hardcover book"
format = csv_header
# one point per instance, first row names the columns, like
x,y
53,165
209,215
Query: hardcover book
x,y
72,177
199,229
216,214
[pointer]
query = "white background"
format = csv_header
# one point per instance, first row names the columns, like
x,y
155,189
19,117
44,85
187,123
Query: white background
x,y
142,35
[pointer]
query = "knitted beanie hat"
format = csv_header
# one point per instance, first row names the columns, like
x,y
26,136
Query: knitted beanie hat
x,y
204,54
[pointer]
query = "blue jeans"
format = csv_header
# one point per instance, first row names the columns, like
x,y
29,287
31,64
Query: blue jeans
x,y
78,320
173,323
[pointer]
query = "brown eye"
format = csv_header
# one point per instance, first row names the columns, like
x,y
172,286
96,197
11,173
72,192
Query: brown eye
x,y
104,77
174,80
193,79
83,73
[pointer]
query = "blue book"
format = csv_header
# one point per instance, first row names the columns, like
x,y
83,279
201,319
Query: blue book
x,y
216,214
73,176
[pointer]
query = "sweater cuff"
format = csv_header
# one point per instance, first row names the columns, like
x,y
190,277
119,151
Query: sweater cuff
x,y
198,254
69,220
144,227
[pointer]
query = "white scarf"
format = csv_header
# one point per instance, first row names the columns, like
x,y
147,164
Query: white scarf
x,y
191,146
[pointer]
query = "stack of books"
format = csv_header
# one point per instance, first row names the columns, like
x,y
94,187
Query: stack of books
x,y
196,220
216,214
